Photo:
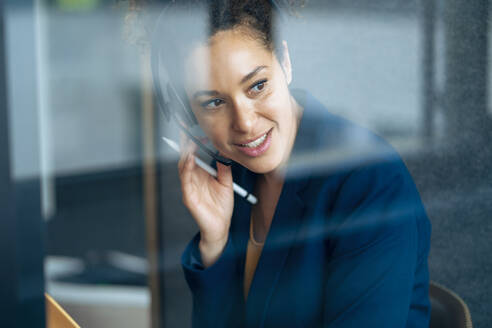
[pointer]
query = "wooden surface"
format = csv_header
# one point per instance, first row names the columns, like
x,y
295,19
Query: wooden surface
x,y
56,317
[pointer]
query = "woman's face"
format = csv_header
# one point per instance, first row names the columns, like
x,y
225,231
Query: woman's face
x,y
239,94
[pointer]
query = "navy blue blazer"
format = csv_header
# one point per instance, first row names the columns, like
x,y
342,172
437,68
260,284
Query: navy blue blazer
x,y
347,246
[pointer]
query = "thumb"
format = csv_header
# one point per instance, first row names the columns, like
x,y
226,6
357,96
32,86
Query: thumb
x,y
224,174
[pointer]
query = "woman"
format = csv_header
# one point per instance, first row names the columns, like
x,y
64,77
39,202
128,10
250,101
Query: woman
x,y
341,246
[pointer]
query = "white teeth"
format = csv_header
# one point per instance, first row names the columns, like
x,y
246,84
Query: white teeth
x,y
256,143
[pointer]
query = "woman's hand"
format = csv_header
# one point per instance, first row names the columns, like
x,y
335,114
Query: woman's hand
x,y
210,201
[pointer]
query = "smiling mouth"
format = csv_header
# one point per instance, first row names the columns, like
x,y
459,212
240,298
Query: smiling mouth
x,y
257,142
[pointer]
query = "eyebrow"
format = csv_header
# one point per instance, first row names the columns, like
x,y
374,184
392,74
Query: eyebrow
x,y
252,73
246,78
205,93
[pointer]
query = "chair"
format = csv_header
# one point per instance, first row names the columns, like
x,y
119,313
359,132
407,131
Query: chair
x,y
448,310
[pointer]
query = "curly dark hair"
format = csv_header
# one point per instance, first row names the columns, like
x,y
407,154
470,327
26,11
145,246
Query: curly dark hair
x,y
177,28
255,15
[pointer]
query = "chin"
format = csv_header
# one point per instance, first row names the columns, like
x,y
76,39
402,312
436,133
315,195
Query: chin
x,y
260,166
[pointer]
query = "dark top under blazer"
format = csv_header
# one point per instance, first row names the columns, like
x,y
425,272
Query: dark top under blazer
x,y
347,246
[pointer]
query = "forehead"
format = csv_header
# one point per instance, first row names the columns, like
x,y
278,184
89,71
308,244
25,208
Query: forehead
x,y
224,60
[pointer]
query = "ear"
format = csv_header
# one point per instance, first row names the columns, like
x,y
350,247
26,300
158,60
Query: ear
x,y
285,62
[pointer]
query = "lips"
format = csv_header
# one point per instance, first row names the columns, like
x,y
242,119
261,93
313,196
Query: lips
x,y
253,142
258,146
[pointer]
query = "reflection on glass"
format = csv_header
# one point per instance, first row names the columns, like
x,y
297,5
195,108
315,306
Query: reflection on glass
x,y
356,91
90,97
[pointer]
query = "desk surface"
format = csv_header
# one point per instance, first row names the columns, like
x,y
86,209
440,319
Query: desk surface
x,y
56,317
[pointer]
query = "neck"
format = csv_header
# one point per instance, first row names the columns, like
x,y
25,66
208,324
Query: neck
x,y
273,179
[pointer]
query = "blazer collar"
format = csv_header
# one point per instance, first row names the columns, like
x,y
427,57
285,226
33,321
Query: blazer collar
x,y
284,227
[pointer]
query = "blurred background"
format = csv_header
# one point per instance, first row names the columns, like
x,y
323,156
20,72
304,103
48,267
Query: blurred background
x,y
90,201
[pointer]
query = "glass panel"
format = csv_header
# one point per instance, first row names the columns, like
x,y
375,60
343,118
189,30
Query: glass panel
x,y
357,86
92,136
396,68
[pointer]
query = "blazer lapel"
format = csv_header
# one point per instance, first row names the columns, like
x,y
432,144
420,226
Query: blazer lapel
x,y
280,238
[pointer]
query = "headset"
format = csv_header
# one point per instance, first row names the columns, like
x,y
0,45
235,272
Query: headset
x,y
167,97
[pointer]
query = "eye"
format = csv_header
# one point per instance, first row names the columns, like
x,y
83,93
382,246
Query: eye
x,y
258,86
211,104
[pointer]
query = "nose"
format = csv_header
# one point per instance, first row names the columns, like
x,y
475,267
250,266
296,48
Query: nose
x,y
244,116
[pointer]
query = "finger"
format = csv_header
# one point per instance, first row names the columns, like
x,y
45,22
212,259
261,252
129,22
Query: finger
x,y
183,158
187,160
190,159
184,149
181,163
183,139
186,176
191,147
224,174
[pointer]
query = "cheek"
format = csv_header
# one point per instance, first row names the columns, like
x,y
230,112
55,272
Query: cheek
x,y
278,101
215,131
204,121
277,107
